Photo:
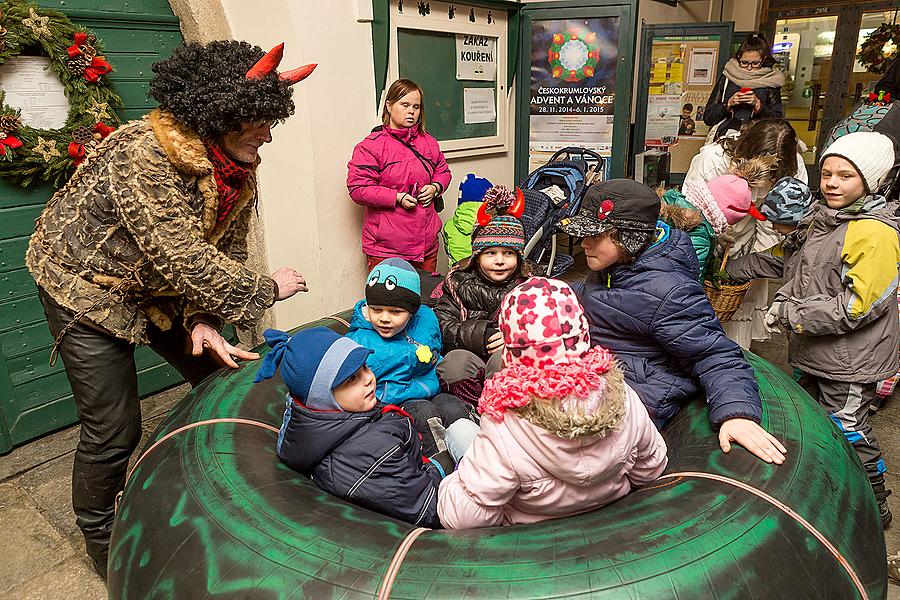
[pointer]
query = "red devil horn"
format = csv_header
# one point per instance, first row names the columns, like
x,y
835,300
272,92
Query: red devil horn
x,y
518,206
483,218
267,64
299,74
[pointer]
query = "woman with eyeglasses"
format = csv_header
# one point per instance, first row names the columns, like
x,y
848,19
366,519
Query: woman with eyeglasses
x,y
749,88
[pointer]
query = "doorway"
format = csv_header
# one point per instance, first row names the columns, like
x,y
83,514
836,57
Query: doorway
x,y
817,46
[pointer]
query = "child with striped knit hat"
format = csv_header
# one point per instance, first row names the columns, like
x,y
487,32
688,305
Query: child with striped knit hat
x,y
468,309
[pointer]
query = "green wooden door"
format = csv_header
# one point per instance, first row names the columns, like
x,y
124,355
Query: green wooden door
x,y
35,398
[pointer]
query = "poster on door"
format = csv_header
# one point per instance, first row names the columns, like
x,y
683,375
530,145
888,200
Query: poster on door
x,y
573,83
682,76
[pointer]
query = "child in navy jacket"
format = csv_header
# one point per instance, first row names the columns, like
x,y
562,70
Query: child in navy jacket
x,y
334,431
644,302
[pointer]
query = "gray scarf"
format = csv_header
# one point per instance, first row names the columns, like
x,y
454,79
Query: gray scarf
x,y
766,77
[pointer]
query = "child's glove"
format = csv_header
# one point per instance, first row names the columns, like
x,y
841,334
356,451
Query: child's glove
x,y
773,320
726,238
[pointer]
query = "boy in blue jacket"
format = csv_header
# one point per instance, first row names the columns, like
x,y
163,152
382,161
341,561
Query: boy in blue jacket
x,y
334,431
645,303
405,338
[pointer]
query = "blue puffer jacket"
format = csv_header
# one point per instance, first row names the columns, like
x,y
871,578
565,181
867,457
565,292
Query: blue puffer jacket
x,y
654,315
400,375
373,459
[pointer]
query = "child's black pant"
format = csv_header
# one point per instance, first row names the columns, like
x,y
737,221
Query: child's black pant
x,y
432,418
847,403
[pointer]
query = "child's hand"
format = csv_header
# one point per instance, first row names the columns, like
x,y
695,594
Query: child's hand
x,y
494,343
754,438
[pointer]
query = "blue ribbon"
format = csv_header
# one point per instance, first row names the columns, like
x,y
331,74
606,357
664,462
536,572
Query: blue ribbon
x,y
278,341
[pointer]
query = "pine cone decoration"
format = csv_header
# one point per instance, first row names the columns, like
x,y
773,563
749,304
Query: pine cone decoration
x,y
2,39
82,135
77,64
9,123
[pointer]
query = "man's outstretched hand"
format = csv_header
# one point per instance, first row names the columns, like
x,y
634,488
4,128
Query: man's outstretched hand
x,y
205,337
754,438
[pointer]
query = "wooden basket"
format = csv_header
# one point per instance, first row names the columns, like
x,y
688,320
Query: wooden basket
x,y
725,299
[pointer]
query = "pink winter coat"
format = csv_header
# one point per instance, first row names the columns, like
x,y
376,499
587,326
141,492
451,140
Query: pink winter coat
x,y
382,167
517,472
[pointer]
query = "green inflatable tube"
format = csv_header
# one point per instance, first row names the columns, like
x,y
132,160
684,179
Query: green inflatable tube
x,y
210,512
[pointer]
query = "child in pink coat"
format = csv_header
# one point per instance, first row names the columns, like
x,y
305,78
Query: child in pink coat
x,y
561,431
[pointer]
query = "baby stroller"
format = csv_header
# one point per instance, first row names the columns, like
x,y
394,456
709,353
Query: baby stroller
x,y
554,192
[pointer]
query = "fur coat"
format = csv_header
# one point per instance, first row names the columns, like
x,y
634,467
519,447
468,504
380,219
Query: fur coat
x,y
132,237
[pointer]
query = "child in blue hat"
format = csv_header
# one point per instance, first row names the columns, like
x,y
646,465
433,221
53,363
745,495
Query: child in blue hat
x,y
784,206
406,339
335,432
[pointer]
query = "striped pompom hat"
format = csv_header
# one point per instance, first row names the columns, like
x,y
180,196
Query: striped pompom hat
x,y
503,230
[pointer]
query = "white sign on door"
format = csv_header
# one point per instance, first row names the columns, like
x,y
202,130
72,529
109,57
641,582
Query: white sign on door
x,y
476,57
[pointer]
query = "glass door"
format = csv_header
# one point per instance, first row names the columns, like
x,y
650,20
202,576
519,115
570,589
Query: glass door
x,y
804,46
861,80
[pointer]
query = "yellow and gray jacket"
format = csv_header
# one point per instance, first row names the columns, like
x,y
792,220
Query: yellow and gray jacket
x,y
839,297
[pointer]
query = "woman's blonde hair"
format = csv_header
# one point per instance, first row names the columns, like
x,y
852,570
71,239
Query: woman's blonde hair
x,y
398,89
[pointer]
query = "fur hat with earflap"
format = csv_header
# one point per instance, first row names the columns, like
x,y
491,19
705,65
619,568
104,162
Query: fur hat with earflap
x,y
727,199
551,376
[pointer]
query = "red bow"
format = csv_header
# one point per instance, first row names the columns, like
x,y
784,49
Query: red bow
x,y
98,66
77,151
11,142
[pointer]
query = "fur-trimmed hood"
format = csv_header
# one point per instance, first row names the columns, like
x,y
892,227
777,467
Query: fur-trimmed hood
x,y
683,218
569,418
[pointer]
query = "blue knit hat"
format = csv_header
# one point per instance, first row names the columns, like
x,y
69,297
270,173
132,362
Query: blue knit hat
x,y
394,282
312,363
473,188
787,202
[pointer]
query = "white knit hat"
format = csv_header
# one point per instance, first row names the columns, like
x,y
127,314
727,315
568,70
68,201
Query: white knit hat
x,y
871,153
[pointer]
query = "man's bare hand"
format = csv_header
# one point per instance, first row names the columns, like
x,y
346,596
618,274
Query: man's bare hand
x,y
289,283
204,337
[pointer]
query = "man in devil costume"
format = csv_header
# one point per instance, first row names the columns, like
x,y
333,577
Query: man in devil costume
x,y
146,244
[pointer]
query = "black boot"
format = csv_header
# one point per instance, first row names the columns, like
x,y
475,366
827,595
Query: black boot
x,y
881,495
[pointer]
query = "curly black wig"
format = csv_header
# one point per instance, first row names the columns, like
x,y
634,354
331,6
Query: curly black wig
x,y
206,88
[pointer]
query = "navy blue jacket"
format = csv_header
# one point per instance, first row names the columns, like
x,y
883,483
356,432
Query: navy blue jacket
x,y
373,459
654,315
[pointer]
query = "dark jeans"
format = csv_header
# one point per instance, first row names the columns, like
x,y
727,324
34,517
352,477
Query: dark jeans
x,y
432,418
101,372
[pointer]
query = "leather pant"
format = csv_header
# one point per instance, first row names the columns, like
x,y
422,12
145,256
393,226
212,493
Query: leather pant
x,y
102,374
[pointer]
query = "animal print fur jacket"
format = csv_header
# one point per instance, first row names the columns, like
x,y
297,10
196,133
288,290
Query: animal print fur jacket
x,y
133,236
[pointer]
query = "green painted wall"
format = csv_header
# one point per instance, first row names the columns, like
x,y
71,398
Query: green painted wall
x,y
35,398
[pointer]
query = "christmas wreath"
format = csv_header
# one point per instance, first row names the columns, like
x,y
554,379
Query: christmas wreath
x,y
573,56
76,56
879,48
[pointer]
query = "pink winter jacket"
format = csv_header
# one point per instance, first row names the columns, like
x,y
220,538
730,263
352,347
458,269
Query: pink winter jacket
x,y
382,167
518,472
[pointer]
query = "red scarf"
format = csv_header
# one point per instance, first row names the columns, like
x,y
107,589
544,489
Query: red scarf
x,y
230,178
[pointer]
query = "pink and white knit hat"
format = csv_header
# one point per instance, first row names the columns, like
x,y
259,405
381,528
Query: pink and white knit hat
x,y
543,324
724,201
547,350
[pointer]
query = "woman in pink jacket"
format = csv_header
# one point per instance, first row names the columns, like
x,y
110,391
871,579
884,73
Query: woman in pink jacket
x,y
561,431
397,173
